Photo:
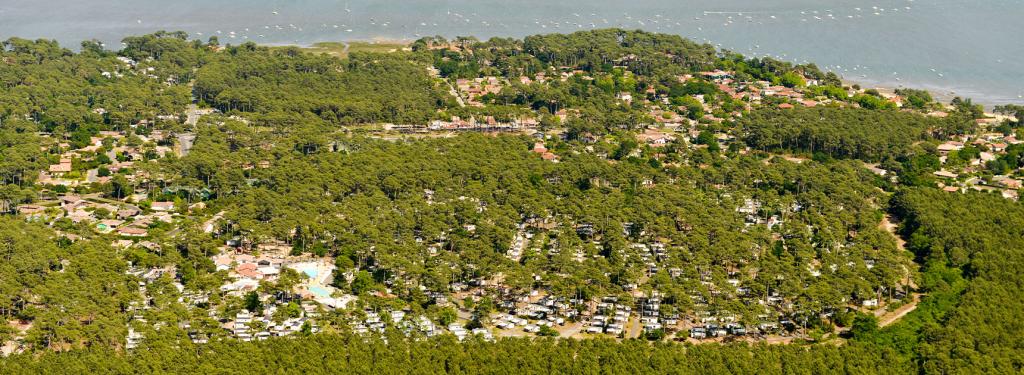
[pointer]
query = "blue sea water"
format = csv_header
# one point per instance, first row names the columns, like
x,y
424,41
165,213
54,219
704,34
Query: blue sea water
x,y
966,48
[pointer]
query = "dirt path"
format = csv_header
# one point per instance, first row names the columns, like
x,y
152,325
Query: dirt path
x,y
889,317
795,159
570,330
892,316
888,226
14,345
633,328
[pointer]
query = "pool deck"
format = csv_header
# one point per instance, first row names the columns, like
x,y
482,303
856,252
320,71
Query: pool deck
x,y
321,282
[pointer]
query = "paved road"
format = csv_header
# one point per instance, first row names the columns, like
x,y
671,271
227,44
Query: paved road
x,y
455,93
98,197
192,115
185,142
209,223
92,175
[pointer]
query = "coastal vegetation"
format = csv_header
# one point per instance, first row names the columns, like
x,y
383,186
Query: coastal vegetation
x,y
865,134
641,167
342,49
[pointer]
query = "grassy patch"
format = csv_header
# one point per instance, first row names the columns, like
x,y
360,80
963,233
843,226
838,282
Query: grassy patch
x,y
338,49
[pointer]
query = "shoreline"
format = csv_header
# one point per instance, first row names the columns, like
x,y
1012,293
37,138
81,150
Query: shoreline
x,y
942,98
942,95
375,40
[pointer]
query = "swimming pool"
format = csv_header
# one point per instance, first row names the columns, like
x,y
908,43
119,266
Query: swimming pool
x,y
308,269
320,291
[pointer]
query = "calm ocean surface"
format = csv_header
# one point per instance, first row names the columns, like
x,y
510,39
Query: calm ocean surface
x,y
970,48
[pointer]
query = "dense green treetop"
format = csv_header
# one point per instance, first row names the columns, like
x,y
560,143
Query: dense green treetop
x,y
288,160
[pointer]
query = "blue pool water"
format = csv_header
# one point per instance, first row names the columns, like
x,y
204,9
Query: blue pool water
x,y
320,291
308,269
